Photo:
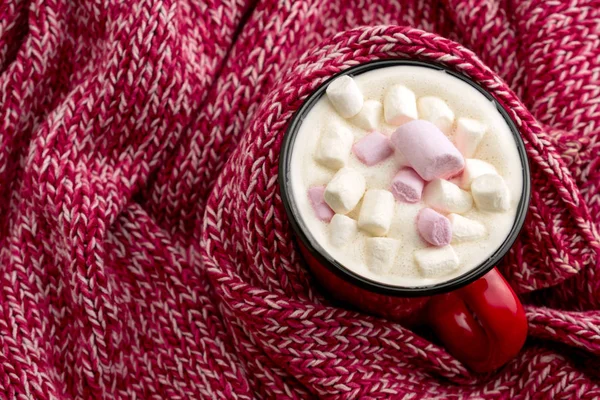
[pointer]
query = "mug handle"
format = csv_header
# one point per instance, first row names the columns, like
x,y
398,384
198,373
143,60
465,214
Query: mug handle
x,y
482,324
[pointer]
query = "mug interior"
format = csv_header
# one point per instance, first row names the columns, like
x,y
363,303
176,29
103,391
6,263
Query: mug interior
x,y
333,265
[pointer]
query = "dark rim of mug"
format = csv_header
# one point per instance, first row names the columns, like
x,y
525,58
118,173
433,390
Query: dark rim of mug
x,y
329,262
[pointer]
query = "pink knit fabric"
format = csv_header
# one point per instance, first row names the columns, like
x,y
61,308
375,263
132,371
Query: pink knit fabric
x,y
145,251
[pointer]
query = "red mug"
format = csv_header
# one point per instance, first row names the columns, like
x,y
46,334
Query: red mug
x,y
476,316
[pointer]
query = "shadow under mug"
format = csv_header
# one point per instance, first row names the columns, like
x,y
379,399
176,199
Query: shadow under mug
x,y
477,316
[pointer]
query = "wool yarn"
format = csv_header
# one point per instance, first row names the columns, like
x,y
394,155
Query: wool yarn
x,y
144,248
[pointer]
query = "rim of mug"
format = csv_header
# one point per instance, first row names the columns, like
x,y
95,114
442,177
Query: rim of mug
x,y
317,251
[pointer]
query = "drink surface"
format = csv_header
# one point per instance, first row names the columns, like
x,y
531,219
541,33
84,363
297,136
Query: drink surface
x,y
497,147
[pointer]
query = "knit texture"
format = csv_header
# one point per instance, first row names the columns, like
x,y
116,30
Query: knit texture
x,y
144,249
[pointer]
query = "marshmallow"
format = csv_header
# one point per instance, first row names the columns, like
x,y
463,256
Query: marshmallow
x,y
342,230
465,229
427,150
381,253
473,169
407,185
433,227
399,105
435,262
345,96
334,146
490,193
468,135
376,212
345,190
436,111
446,197
369,116
373,148
322,210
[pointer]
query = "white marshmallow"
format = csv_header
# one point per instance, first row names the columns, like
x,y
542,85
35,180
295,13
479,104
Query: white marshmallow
x,y
369,116
342,230
490,193
345,96
334,146
446,197
436,111
435,262
376,212
381,253
465,229
345,190
469,133
473,169
399,105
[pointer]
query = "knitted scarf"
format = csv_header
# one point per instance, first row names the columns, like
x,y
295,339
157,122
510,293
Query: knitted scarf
x,y
144,248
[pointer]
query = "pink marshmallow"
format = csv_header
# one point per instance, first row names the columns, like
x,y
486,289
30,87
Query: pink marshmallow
x,y
434,227
373,148
322,210
427,150
407,185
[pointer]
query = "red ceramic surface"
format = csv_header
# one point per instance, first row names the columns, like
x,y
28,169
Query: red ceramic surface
x,y
482,324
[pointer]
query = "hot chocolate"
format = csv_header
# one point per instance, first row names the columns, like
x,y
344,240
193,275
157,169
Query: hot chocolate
x,y
406,175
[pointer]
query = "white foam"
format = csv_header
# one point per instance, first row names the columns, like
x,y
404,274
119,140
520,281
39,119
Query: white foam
x,y
465,102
